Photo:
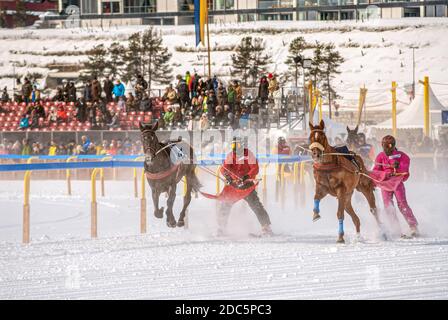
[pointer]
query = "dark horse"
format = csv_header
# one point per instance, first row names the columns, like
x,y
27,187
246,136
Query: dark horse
x,y
353,138
339,177
163,173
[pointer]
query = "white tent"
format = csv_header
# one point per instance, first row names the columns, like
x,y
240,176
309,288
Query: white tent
x,y
412,116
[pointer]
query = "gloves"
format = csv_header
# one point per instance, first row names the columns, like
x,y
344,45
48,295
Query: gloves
x,y
245,178
396,165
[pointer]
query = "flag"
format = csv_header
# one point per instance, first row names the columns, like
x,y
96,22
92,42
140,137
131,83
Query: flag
x,y
200,18
381,180
231,194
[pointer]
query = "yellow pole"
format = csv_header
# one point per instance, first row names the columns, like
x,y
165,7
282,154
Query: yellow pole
x,y
310,94
320,108
143,204
218,181
26,203
93,206
185,186
264,182
135,176
102,175
426,106
208,46
282,185
302,182
361,103
68,176
394,108
26,207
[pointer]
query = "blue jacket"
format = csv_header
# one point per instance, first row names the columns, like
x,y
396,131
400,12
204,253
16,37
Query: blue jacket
x,y
85,146
118,90
24,123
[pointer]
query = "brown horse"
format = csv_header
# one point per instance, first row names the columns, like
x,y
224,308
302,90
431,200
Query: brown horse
x,y
334,174
163,173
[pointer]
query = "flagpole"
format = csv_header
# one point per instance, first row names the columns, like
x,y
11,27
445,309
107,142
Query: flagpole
x,y
208,46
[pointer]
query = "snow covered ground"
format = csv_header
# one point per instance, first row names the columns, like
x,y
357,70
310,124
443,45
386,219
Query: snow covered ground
x,y
376,52
301,262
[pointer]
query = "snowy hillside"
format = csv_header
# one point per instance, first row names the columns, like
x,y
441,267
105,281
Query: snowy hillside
x,y
376,52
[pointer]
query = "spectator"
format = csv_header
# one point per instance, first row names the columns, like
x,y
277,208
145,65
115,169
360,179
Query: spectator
x,y
273,84
130,103
263,90
35,94
26,90
222,95
238,95
53,149
118,90
91,113
71,92
169,115
81,110
26,148
62,115
34,119
40,110
203,122
177,117
66,90
96,90
121,104
52,116
183,93
231,97
87,92
24,122
108,87
115,122
85,143
145,103
170,95
140,87
5,95
211,102
59,95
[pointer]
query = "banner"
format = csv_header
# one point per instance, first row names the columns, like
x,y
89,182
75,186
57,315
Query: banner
x,y
200,18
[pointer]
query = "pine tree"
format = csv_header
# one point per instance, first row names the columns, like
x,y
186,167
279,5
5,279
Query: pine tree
x,y
156,58
316,70
97,61
132,57
331,62
115,61
250,59
20,16
296,48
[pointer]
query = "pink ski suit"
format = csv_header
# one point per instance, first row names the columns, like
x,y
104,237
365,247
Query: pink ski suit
x,y
386,163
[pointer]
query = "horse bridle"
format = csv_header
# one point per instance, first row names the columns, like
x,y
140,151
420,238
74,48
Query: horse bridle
x,y
316,144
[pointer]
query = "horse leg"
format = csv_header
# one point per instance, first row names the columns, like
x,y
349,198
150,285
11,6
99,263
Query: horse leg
x,y
158,213
170,220
340,215
353,215
370,197
319,195
187,200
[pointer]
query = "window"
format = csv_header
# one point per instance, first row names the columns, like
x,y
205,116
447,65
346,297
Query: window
x,y
110,7
89,7
224,4
139,6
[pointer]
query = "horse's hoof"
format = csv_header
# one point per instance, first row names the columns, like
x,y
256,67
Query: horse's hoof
x,y
180,223
316,217
341,240
171,224
159,213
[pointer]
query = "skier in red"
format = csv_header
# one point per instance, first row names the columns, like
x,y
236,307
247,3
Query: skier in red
x,y
240,169
395,162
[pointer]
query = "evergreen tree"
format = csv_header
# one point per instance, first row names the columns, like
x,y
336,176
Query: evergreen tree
x,y
317,65
155,58
331,62
296,48
2,17
97,61
132,57
20,15
250,59
115,61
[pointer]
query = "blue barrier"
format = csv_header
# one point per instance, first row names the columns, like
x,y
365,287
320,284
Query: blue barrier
x,y
125,164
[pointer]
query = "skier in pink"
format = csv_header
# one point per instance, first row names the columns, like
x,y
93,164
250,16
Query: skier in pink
x,y
395,163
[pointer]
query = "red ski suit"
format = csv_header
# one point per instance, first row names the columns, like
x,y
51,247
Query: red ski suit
x,y
237,165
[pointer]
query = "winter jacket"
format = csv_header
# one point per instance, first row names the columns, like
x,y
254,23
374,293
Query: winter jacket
x,y
26,150
273,85
87,92
24,123
118,90
387,163
236,168
168,117
52,151
96,90
263,91
182,89
108,87
26,89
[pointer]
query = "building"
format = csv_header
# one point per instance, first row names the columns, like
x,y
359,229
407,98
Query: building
x,y
180,12
14,13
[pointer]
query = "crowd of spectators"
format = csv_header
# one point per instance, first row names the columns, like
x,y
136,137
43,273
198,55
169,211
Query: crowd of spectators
x,y
192,102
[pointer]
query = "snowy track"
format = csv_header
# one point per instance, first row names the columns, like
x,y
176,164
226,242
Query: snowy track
x,y
302,262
